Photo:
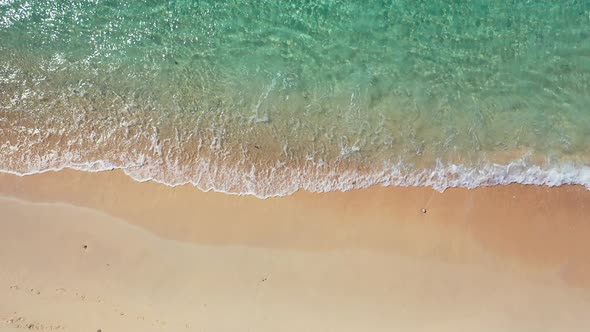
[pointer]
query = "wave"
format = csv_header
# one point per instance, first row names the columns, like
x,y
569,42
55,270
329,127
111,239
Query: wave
x,y
223,97
285,181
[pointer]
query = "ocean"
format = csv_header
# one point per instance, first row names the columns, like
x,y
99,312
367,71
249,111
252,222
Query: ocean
x,y
269,97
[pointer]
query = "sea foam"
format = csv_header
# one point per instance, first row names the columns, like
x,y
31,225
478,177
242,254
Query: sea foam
x,y
286,181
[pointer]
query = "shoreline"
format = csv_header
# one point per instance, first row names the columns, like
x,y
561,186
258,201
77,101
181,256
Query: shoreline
x,y
160,258
439,177
146,204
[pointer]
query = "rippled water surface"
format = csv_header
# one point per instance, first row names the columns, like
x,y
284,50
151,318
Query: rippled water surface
x,y
267,97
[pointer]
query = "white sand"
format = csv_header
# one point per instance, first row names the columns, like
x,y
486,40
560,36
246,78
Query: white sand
x,y
359,261
129,280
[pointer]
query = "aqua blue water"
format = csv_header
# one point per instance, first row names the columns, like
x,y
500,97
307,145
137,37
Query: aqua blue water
x,y
268,97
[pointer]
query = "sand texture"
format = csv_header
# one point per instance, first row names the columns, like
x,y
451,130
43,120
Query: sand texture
x,y
98,251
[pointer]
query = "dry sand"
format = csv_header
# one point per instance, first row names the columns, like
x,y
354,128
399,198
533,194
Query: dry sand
x,y
98,251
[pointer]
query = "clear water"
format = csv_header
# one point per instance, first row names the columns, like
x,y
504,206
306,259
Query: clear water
x,y
268,97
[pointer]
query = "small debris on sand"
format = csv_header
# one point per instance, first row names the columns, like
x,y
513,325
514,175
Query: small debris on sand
x,y
423,210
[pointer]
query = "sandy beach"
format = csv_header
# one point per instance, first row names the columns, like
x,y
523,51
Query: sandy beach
x,y
101,252
294,166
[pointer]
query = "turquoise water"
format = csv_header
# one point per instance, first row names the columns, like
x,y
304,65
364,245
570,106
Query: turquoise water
x,y
268,97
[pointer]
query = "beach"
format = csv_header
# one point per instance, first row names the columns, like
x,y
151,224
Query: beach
x,y
265,165
98,251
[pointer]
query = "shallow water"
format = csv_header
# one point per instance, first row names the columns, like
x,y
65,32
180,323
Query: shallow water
x,y
268,97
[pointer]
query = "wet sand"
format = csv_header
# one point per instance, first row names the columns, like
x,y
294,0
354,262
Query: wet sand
x,y
98,251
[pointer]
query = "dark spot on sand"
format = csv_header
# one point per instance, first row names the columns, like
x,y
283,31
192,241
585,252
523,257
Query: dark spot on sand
x,y
175,62
257,146
85,247
264,279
